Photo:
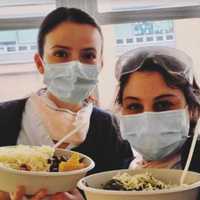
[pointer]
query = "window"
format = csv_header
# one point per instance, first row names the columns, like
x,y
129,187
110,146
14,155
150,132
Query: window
x,y
25,8
143,28
129,40
23,48
144,33
18,41
169,37
2,50
11,49
139,39
141,5
149,39
163,27
159,38
19,21
119,41
33,47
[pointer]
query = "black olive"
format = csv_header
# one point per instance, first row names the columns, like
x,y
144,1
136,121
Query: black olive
x,y
63,159
25,167
53,169
114,185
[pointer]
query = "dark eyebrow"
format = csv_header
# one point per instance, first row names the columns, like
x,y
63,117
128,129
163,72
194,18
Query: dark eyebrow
x,y
89,49
61,47
157,98
164,96
131,98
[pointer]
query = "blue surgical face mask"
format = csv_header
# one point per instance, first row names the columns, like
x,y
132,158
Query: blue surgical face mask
x,y
156,135
71,82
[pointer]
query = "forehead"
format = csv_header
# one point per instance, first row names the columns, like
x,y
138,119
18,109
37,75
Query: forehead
x,y
74,35
148,85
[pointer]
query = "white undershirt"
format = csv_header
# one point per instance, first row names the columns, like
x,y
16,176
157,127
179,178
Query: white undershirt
x,y
33,132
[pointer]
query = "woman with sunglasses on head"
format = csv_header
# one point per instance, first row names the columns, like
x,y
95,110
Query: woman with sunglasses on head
x,y
159,104
70,45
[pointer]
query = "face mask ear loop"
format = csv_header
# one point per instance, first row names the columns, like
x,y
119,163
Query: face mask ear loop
x,y
186,107
189,159
43,61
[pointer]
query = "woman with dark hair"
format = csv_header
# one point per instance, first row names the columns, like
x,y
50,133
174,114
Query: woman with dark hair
x,y
159,102
70,45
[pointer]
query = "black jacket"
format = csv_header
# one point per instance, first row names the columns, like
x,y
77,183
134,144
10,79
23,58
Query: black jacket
x,y
103,142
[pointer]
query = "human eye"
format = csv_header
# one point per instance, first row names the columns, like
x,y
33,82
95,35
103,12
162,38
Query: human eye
x,y
61,53
163,106
135,108
88,57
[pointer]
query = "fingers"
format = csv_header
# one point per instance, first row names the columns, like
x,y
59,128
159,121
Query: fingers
x,y
40,195
4,196
71,195
18,194
60,196
155,165
76,193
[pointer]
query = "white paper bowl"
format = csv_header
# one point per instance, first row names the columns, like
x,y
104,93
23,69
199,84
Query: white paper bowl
x,y
92,184
53,181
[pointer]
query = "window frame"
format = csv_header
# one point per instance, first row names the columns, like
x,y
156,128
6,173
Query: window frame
x,y
19,23
127,16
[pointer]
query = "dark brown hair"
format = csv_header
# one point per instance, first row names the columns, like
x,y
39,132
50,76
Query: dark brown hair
x,y
60,15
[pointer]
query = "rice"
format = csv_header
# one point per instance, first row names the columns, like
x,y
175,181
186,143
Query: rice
x,y
35,158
